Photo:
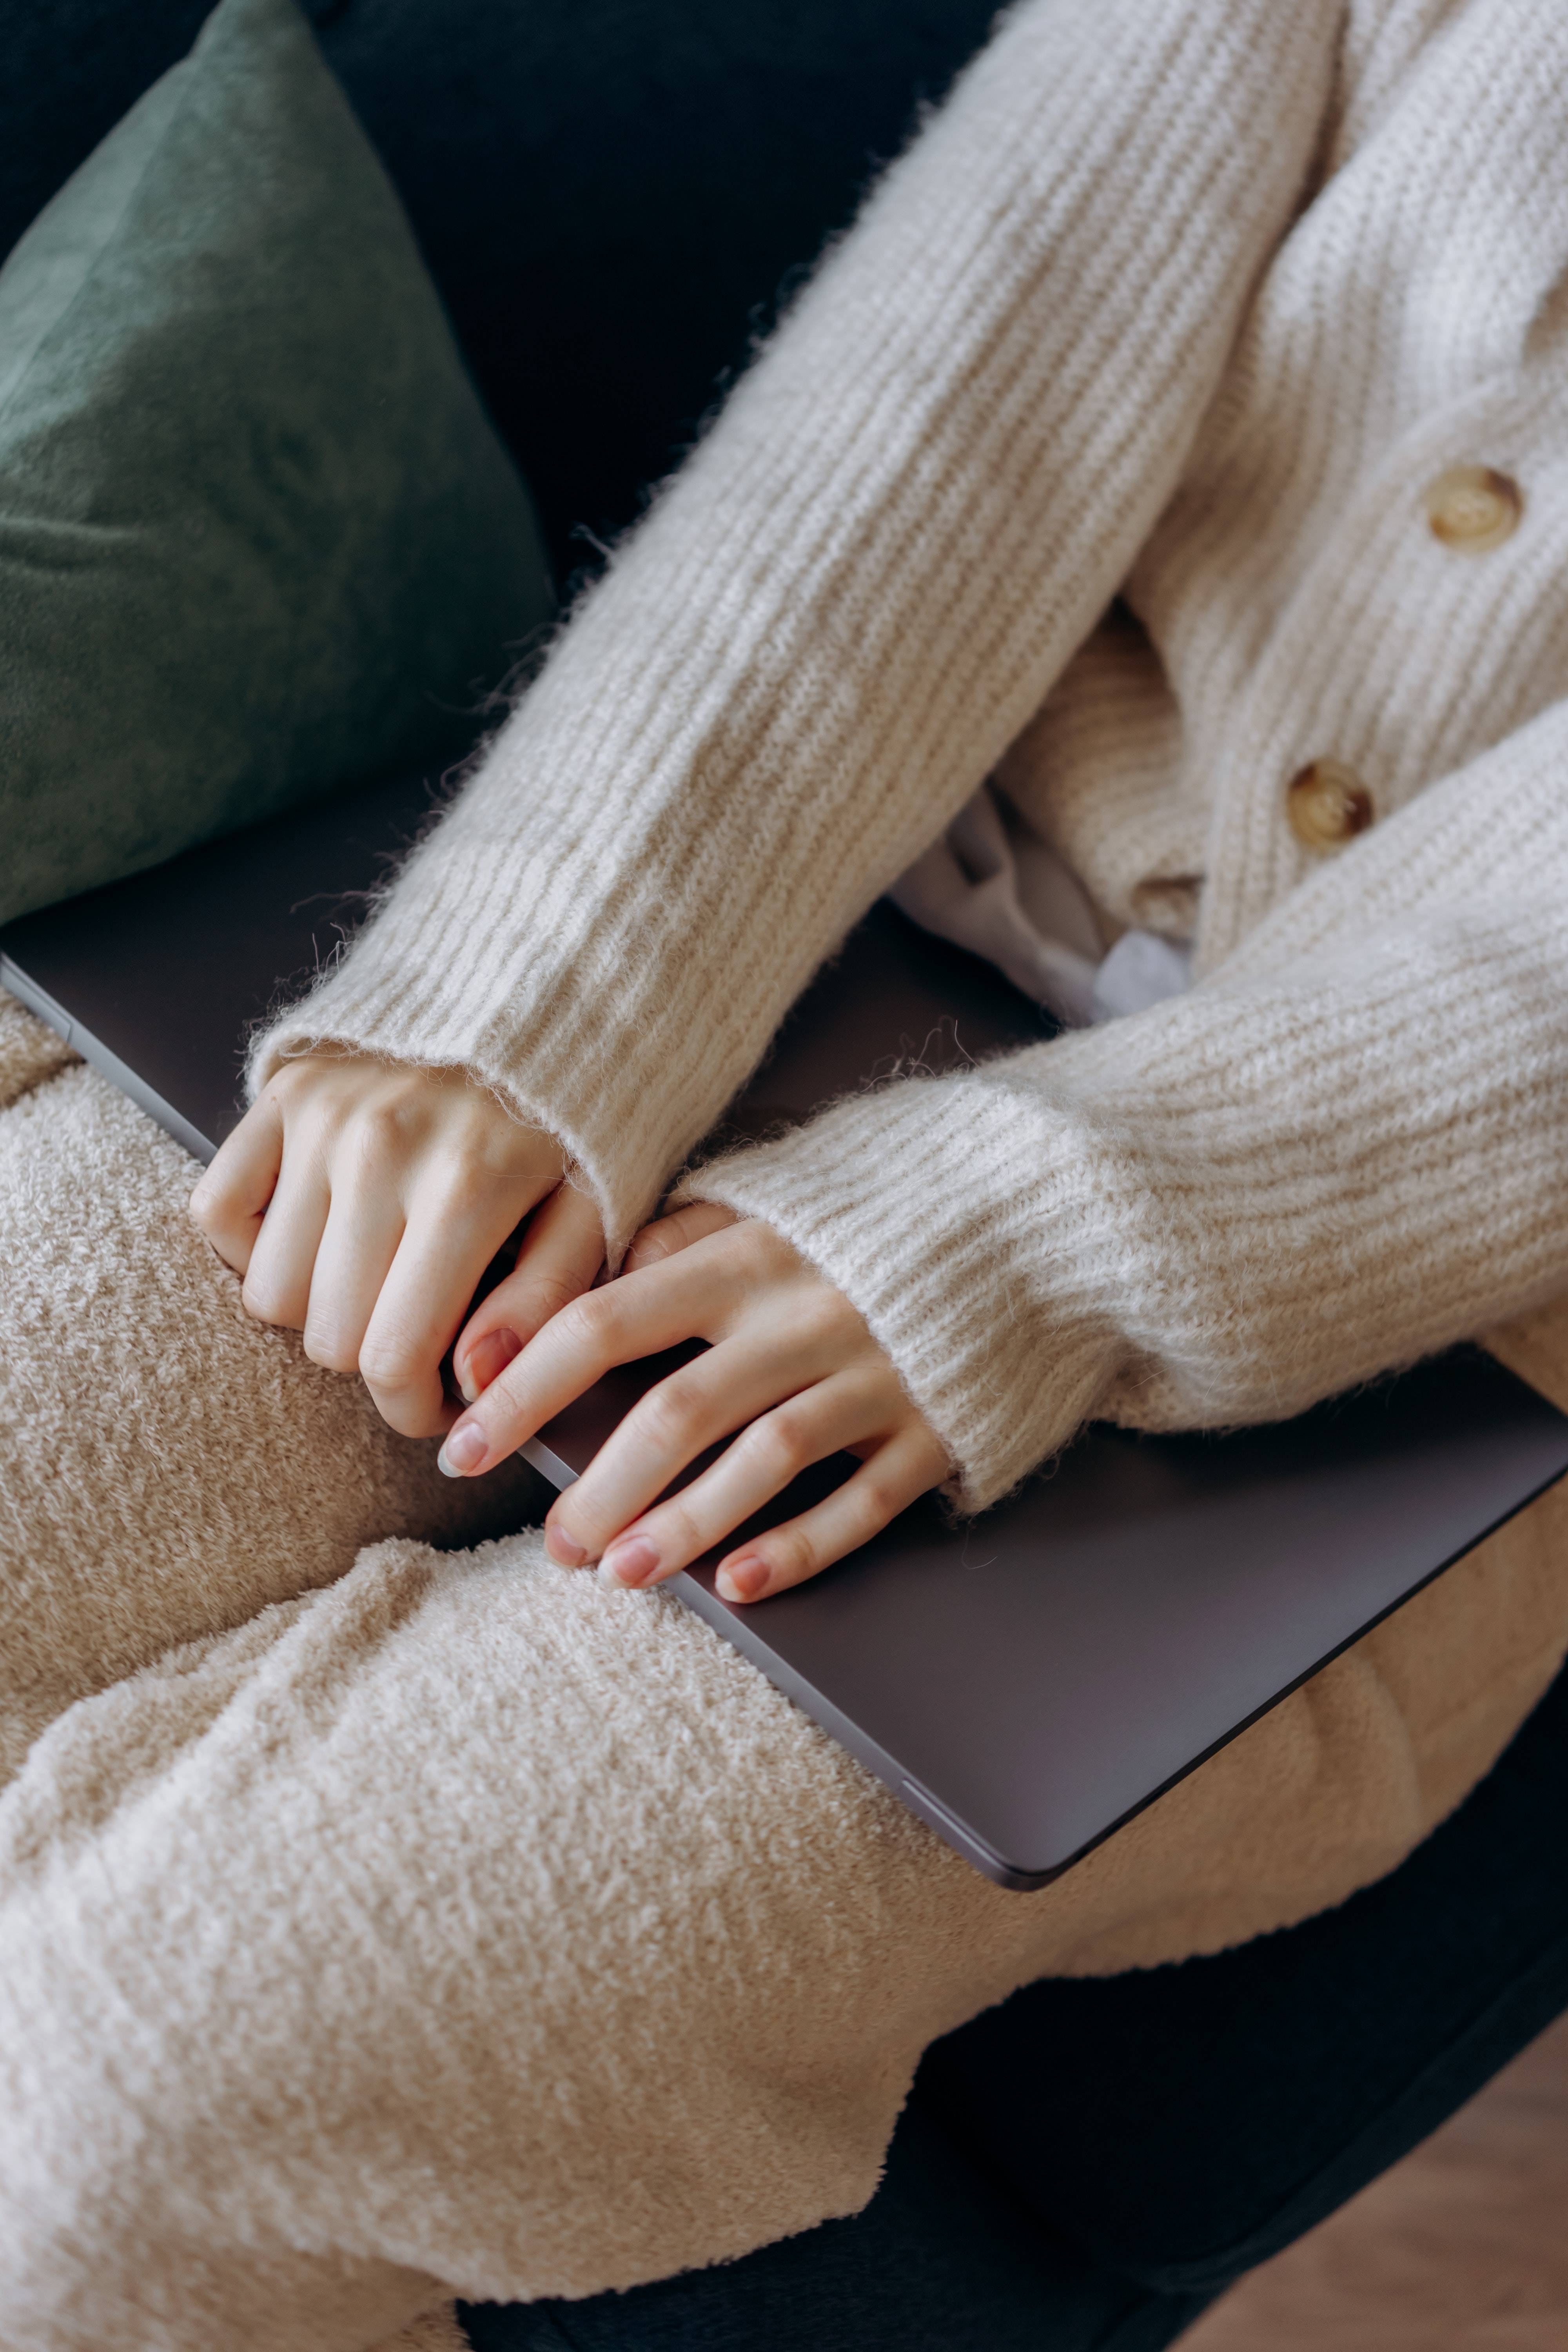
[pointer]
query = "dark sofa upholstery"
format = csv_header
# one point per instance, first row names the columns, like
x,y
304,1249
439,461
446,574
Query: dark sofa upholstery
x,y
610,194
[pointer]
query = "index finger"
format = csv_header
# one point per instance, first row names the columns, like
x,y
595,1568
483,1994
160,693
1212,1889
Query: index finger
x,y
230,1199
561,1251
639,1315
667,1235
447,1245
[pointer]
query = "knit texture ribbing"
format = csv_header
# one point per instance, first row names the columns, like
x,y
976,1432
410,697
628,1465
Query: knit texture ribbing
x,y
1187,305
1318,1164
857,591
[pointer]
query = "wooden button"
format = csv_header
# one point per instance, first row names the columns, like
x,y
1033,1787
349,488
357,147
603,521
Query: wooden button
x,y
1472,508
1326,804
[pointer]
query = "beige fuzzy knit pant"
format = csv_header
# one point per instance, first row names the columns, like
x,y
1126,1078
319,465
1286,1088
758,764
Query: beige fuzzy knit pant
x,y
379,1924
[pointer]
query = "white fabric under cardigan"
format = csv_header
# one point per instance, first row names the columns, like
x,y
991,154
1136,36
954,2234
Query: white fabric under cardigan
x,y
996,889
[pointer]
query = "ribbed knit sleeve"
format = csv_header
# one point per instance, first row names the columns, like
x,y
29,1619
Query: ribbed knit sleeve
x,y
857,591
1347,1147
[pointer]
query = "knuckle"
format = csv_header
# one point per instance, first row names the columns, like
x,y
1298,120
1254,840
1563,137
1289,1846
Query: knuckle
x,y
591,1319
590,1519
680,1535
792,1555
329,1352
791,1426
777,1444
465,1185
650,1247
407,1414
676,1528
387,1366
231,1251
697,1221
294,1081
671,1415
224,1234
875,1502
542,1297
379,1131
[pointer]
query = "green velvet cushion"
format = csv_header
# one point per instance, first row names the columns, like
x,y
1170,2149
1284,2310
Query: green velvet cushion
x,y
258,538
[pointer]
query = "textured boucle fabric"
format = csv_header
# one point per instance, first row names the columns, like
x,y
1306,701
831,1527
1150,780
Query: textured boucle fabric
x,y
429,1922
433,2331
208,1409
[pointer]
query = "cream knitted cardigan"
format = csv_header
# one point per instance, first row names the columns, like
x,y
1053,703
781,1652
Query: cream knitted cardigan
x,y
1189,299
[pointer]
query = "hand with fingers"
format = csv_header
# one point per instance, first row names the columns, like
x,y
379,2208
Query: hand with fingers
x,y
790,1375
363,1201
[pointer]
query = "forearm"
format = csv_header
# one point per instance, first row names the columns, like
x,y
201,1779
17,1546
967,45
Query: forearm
x,y
858,591
1343,1150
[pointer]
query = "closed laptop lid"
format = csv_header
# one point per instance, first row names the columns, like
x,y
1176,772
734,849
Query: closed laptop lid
x,y
1024,1682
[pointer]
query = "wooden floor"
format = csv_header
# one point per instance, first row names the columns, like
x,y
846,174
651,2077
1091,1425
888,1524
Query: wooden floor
x,y
1462,2248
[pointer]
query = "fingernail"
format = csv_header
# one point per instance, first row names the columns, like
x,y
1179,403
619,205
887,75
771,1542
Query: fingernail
x,y
743,1579
632,1562
487,1357
561,1549
465,1449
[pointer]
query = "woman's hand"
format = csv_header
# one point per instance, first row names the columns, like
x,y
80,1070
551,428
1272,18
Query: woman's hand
x,y
791,1366
363,1201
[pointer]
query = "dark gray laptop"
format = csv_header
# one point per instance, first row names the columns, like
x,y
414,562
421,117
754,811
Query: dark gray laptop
x,y
1025,1684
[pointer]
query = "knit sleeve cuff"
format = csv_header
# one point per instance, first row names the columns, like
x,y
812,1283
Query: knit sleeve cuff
x,y
619,1165
1213,1213
915,1202
861,587
491,954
